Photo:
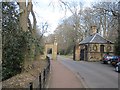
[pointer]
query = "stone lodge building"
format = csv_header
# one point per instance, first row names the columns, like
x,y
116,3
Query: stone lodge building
x,y
93,47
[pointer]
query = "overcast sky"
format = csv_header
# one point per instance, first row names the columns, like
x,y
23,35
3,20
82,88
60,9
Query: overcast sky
x,y
53,15
45,12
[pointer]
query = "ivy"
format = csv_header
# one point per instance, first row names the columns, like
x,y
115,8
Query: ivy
x,y
16,43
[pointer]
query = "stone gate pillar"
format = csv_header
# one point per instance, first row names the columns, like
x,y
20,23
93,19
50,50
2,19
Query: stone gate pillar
x,y
54,51
53,46
45,51
77,52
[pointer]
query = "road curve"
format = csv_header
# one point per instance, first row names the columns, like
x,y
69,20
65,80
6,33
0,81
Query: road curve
x,y
93,74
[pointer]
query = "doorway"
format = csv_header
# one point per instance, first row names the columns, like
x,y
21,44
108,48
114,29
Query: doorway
x,y
82,54
51,49
101,50
86,53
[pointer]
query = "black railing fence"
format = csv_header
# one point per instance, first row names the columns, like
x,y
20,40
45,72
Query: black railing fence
x,y
43,76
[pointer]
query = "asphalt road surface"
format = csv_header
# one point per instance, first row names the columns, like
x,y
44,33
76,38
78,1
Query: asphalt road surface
x,y
92,74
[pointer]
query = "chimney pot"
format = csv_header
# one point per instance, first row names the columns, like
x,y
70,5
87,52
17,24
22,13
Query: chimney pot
x,y
93,29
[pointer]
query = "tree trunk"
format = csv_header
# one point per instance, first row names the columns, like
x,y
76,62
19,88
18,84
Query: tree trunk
x,y
23,16
32,29
24,20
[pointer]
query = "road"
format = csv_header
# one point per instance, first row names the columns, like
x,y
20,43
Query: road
x,y
92,74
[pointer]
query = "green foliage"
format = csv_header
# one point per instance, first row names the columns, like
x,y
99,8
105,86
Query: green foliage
x,y
33,46
16,43
13,55
13,41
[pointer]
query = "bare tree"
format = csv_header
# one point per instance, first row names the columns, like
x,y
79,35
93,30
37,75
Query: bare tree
x,y
108,11
24,16
76,9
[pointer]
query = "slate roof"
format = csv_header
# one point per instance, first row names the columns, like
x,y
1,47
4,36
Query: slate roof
x,y
96,38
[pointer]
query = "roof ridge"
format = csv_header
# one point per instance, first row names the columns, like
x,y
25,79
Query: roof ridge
x,y
93,38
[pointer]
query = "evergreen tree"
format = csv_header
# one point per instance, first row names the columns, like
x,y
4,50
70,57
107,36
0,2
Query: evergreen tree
x,y
12,41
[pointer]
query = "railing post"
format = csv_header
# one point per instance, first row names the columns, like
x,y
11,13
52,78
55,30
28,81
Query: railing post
x,y
44,77
31,86
48,67
40,82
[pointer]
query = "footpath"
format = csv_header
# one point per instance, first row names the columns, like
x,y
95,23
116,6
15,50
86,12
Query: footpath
x,y
62,77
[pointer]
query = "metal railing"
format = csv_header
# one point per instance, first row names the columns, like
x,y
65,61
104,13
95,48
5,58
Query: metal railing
x,y
43,76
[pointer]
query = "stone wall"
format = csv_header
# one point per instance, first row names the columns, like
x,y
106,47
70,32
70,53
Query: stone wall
x,y
96,48
94,56
93,51
77,53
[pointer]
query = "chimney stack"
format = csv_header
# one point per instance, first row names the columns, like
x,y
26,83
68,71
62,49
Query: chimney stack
x,y
93,30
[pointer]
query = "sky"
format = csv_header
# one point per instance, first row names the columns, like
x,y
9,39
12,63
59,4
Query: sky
x,y
46,12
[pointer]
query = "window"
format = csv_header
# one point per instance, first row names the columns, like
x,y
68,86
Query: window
x,y
101,48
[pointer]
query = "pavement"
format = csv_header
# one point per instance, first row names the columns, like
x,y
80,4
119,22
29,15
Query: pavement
x,y
62,77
